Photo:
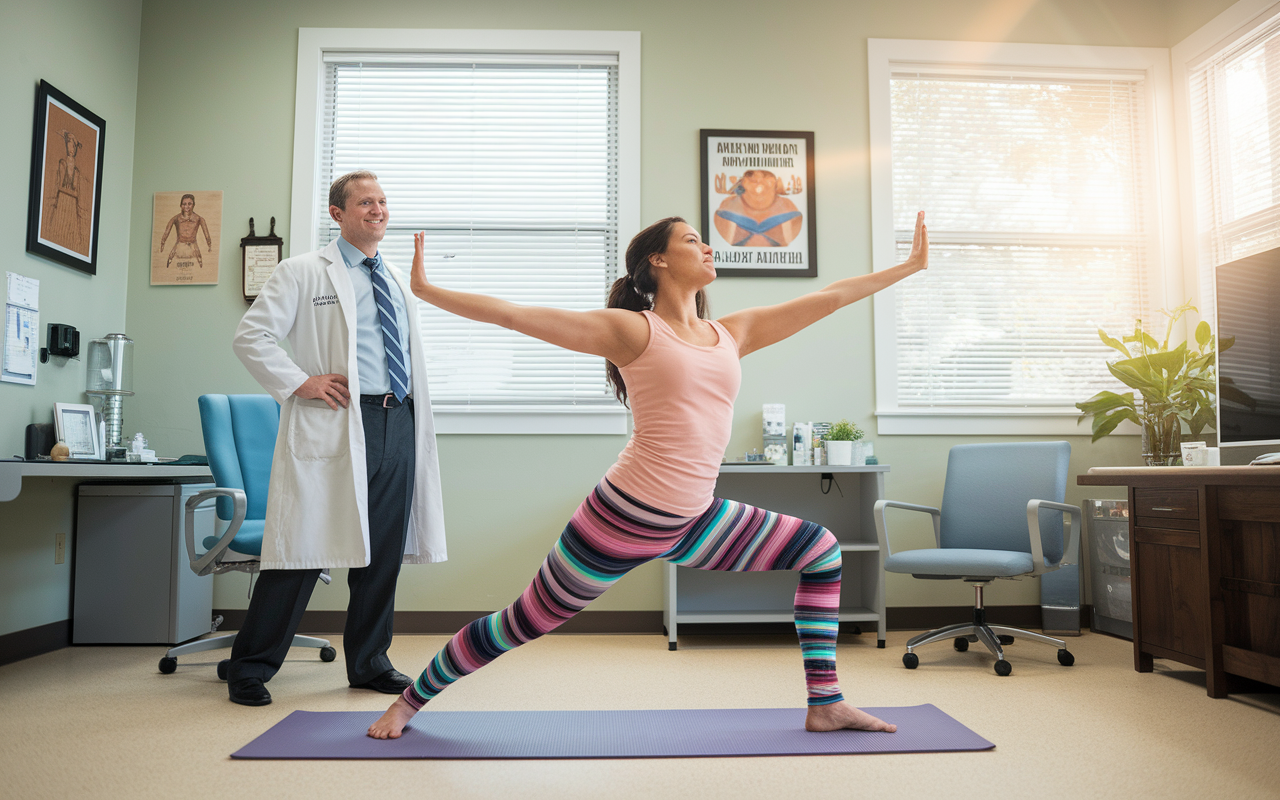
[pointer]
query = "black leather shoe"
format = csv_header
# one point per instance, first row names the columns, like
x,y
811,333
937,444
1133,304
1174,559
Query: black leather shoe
x,y
249,692
389,682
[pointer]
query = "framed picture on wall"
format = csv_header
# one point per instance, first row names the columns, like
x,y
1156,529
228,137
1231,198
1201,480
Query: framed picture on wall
x,y
758,203
66,181
186,231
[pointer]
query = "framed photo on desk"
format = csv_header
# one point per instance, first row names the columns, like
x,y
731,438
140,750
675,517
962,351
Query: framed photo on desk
x,y
77,425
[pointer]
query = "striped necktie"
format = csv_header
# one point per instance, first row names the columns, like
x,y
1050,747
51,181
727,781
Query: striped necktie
x,y
390,333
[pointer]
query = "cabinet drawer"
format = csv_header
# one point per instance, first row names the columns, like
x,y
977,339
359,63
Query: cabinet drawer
x,y
1167,503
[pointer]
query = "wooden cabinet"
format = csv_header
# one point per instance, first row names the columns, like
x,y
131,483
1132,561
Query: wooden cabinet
x,y
1205,563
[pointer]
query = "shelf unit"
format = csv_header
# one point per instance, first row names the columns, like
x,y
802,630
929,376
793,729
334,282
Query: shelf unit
x,y
701,596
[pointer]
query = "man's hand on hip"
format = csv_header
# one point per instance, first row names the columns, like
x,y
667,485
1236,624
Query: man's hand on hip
x,y
330,388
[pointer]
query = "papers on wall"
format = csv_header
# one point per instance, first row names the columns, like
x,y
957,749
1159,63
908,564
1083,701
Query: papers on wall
x,y
21,330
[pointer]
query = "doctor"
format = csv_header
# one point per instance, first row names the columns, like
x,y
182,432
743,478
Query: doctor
x,y
355,481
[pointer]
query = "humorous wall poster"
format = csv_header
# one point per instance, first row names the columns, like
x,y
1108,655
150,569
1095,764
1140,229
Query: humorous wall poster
x,y
758,202
185,232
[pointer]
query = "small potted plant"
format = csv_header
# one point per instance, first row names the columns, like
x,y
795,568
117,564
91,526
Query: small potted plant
x,y
1171,387
839,440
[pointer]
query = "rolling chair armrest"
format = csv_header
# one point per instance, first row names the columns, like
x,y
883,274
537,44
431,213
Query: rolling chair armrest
x,y
204,563
1037,546
882,530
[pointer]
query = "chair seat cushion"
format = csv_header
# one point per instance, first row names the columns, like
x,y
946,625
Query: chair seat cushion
x,y
954,562
248,539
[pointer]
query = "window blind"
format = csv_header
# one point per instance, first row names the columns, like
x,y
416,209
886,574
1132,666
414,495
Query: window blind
x,y
1033,188
1235,119
510,164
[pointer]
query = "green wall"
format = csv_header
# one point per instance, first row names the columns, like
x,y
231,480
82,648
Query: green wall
x,y
89,50
215,104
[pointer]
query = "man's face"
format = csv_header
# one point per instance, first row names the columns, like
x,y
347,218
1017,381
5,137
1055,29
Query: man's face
x,y
187,205
760,189
365,217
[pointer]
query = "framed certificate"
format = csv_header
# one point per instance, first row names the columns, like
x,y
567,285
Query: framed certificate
x,y
76,424
260,254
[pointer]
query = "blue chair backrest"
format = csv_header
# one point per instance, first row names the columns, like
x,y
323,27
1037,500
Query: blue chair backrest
x,y
984,501
240,439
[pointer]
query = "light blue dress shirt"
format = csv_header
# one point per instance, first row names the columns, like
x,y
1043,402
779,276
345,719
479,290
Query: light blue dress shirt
x,y
371,353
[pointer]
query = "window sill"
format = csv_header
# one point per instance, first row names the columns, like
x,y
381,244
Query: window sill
x,y
518,420
987,422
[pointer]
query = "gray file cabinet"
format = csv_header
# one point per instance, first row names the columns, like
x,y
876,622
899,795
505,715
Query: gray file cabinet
x,y
133,583
698,596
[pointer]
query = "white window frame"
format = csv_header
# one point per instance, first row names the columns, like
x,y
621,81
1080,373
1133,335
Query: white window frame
x,y
1165,277
303,228
1221,33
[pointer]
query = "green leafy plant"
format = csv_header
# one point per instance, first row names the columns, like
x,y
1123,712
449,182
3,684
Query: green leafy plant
x,y
843,431
1173,386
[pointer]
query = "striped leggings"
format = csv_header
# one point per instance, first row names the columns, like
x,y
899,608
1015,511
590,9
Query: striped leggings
x,y
611,534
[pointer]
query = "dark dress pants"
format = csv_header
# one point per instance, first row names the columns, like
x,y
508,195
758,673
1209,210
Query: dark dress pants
x,y
280,595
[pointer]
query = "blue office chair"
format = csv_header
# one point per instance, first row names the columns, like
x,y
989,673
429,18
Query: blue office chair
x,y
1001,517
239,439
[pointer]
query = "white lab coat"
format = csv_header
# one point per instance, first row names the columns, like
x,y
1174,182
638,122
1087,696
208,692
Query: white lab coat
x,y
317,504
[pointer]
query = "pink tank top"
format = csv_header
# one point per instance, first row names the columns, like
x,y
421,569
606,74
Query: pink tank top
x,y
681,399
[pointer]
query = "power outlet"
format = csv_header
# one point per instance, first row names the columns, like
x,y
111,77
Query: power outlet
x,y
60,549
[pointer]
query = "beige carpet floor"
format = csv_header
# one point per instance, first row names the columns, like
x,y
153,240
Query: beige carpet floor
x,y
102,722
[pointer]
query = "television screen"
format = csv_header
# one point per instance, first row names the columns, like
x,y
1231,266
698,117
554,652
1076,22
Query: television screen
x,y
1248,293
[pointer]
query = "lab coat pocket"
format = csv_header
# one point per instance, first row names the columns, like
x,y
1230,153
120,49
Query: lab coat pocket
x,y
317,432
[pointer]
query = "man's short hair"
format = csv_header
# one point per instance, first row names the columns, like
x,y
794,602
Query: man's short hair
x,y
340,189
190,197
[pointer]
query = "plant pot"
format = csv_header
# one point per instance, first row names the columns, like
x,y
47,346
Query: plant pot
x,y
1161,438
839,454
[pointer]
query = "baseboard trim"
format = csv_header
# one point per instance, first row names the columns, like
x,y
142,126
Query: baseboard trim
x,y
57,635
450,622
34,641
904,618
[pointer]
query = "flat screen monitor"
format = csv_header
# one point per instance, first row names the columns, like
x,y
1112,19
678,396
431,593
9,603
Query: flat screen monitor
x,y
1248,293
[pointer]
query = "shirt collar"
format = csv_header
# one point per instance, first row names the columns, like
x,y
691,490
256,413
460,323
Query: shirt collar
x,y
352,255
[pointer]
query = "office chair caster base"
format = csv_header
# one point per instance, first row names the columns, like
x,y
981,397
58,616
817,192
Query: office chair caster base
x,y
910,660
168,665
1003,668
328,654
1005,639
961,644
1065,658
222,668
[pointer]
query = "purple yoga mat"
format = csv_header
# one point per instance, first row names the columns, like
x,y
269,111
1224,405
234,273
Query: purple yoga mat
x,y
606,734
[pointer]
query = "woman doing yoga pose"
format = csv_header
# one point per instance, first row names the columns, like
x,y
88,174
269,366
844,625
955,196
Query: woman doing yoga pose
x,y
680,374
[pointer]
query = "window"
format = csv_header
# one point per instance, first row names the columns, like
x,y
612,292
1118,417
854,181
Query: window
x,y
511,159
1034,165
1233,95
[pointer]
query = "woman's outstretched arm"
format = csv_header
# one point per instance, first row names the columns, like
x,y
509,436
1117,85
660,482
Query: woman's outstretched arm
x,y
614,333
756,328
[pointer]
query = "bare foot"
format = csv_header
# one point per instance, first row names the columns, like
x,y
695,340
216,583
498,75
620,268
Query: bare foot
x,y
835,716
390,724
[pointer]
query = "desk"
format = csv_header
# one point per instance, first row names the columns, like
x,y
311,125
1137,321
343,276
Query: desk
x,y
1205,561
700,596
12,473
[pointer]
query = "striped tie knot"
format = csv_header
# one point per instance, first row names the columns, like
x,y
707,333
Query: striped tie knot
x,y
397,364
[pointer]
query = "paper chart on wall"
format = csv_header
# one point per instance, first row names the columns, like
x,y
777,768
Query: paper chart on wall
x,y
21,330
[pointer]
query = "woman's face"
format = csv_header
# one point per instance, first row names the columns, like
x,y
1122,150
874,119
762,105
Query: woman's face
x,y
688,258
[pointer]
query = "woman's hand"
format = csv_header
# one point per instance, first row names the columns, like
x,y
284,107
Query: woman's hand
x,y
418,283
919,258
